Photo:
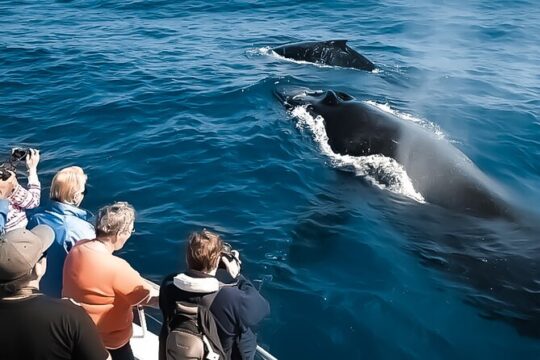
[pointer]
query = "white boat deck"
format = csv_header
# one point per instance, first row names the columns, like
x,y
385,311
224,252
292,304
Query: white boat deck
x,y
144,343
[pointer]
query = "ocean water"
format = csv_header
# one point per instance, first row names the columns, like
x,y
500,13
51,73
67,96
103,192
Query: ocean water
x,y
169,105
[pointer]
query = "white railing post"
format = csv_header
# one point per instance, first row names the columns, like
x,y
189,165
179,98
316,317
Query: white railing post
x,y
142,319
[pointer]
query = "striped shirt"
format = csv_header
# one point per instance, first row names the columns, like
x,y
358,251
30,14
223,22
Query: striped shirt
x,y
21,200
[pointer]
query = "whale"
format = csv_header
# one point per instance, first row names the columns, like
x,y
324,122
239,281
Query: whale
x,y
440,172
468,228
332,53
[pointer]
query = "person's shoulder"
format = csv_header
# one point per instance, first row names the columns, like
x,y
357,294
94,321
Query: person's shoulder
x,y
168,280
122,270
167,284
228,294
228,300
43,215
63,306
79,248
79,228
122,264
77,221
238,293
72,310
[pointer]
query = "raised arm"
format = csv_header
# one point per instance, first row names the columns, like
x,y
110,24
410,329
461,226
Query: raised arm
x,y
253,306
28,199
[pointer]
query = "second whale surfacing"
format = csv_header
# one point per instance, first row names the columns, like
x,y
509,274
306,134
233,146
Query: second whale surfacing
x,y
440,172
332,53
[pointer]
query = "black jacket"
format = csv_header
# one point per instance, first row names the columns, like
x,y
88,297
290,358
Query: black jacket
x,y
237,310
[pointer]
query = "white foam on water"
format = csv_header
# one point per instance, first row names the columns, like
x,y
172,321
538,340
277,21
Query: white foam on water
x,y
266,50
381,171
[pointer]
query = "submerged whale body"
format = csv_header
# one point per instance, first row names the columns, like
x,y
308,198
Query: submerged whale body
x,y
441,173
333,53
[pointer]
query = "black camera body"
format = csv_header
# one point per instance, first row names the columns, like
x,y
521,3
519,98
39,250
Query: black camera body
x,y
226,251
4,174
17,154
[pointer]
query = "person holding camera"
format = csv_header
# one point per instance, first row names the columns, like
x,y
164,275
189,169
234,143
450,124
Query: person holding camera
x,y
20,198
235,305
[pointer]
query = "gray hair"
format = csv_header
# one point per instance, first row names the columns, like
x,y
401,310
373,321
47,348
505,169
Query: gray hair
x,y
114,219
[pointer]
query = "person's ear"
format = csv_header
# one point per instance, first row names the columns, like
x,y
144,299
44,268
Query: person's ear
x,y
41,267
78,198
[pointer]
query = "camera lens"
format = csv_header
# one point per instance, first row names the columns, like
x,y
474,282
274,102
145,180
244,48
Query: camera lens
x,y
226,248
19,154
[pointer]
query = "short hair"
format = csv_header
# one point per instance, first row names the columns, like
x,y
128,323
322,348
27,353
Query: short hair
x,y
67,183
15,286
114,219
203,250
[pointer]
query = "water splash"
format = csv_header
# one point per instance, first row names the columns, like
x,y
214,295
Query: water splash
x,y
381,171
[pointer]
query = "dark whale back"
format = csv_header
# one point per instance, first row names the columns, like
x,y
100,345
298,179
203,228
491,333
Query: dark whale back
x,y
353,129
438,170
333,53
499,258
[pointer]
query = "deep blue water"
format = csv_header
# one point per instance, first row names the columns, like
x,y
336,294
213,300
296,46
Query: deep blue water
x,y
169,105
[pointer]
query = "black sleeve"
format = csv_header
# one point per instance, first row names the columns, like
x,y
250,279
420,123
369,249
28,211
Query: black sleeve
x,y
164,306
87,344
253,307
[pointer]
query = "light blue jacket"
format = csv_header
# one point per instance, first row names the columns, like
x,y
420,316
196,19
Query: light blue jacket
x,y
70,224
4,207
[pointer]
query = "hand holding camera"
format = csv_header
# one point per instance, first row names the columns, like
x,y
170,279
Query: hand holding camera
x,y
7,185
231,260
32,159
30,156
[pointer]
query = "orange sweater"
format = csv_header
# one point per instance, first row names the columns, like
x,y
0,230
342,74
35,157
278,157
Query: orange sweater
x,y
107,287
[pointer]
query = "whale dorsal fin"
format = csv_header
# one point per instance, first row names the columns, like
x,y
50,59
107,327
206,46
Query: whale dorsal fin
x,y
331,98
344,96
342,44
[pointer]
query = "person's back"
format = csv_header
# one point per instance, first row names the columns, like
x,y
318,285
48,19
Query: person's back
x,y
32,325
106,285
247,307
69,222
237,307
40,327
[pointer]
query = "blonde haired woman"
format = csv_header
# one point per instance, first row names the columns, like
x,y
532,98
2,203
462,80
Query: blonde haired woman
x,y
69,222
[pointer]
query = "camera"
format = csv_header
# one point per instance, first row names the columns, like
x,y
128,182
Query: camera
x,y
17,154
4,174
226,251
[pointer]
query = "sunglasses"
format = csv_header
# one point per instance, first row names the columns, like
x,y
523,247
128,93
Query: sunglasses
x,y
44,255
